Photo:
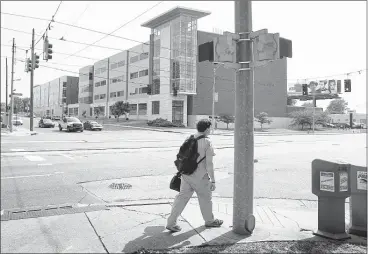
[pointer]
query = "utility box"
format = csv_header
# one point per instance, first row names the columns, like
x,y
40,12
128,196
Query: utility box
x,y
331,183
358,201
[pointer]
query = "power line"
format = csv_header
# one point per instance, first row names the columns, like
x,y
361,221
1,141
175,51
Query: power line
x,y
76,21
48,26
119,27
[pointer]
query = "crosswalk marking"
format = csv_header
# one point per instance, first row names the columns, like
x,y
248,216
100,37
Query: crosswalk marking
x,y
14,177
34,158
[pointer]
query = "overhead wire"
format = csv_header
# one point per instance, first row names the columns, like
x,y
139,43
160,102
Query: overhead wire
x,y
126,23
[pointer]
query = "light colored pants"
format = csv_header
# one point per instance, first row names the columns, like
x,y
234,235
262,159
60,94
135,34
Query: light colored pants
x,y
189,184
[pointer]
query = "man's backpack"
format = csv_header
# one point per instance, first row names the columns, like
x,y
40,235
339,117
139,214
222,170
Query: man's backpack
x,y
186,159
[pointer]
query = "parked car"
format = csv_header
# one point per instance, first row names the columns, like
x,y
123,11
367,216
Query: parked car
x,y
46,123
92,125
359,126
56,118
17,121
70,124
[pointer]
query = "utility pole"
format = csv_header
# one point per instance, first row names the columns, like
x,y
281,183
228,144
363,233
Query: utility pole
x,y
12,89
32,75
243,218
213,97
6,86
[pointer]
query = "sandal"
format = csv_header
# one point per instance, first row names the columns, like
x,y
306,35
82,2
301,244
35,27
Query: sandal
x,y
214,224
175,228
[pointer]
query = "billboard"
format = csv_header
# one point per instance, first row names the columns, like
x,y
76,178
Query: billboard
x,y
321,87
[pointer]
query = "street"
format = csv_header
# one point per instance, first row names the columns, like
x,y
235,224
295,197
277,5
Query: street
x,y
67,168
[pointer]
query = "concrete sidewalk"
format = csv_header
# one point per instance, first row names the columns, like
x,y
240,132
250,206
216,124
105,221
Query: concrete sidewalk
x,y
129,226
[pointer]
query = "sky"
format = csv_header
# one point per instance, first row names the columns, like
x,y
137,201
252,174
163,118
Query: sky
x,y
329,38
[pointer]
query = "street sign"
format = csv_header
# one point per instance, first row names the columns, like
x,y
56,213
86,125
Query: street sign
x,y
216,96
267,47
224,49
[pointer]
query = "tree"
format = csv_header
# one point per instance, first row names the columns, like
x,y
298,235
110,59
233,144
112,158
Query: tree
x,y
227,119
291,102
120,108
337,106
262,118
97,112
26,103
302,117
305,117
18,105
308,104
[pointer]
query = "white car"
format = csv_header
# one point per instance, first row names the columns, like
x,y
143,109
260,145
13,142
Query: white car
x,y
70,124
17,120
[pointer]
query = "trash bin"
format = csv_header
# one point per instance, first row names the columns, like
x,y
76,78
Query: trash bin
x,y
330,182
358,201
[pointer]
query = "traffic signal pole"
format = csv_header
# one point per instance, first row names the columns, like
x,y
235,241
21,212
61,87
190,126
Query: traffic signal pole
x,y
6,86
32,76
243,218
12,90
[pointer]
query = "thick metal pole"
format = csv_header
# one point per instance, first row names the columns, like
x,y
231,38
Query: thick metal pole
x,y
6,85
213,98
12,90
31,90
243,219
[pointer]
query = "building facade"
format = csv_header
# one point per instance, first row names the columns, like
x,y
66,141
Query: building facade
x,y
53,98
162,78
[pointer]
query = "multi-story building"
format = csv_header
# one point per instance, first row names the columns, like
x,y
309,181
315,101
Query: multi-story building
x,y
53,98
180,87
85,93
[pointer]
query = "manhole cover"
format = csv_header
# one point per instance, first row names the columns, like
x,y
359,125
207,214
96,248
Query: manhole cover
x,y
120,186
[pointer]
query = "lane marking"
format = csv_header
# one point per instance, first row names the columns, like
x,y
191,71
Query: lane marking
x,y
16,149
34,158
15,177
67,156
44,164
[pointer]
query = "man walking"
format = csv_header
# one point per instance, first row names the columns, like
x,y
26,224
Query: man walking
x,y
202,181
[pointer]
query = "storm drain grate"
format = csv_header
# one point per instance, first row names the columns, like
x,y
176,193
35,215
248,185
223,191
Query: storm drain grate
x,y
19,214
120,186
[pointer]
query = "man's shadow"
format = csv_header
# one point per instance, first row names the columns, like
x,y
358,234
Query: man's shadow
x,y
157,237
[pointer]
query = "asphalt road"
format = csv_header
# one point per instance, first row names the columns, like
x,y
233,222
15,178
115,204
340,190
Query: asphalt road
x,y
49,168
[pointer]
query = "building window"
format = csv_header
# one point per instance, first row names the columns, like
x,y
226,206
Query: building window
x,y
114,66
134,59
76,111
133,75
142,109
97,84
97,96
155,107
64,84
156,86
120,93
102,96
90,76
113,95
133,109
143,90
117,79
121,63
143,56
103,83
143,73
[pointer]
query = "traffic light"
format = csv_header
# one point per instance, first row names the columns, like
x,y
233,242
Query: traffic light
x,y
149,89
28,65
347,85
36,61
47,49
305,89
